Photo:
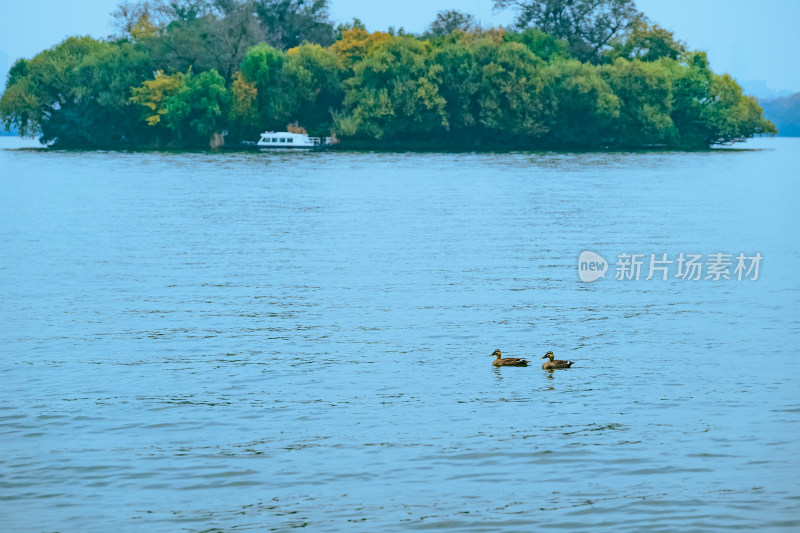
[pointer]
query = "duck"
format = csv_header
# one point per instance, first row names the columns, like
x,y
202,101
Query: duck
x,y
508,361
555,363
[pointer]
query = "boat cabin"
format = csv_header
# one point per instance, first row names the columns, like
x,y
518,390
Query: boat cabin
x,y
285,139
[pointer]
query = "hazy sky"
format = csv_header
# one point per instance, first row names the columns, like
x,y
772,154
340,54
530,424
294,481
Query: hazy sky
x,y
750,39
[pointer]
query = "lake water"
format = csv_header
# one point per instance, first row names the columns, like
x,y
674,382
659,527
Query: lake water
x,y
266,341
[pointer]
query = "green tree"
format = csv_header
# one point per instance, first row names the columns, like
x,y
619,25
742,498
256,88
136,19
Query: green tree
x,y
515,96
199,109
732,115
75,94
691,94
273,89
103,81
540,43
587,107
190,108
290,23
41,90
711,109
461,77
393,93
581,74
449,21
216,34
203,39
262,67
313,77
589,26
644,91
647,43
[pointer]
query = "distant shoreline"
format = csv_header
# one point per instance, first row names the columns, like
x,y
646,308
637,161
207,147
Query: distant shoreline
x,y
393,147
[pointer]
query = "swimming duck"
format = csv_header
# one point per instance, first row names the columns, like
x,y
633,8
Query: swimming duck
x,y
508,361
555,363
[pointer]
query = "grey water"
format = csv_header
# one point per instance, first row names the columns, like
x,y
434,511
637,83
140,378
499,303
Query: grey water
x,y
268,341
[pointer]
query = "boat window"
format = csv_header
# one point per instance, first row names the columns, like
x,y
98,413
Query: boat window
x,y
283,140
290,140
274,139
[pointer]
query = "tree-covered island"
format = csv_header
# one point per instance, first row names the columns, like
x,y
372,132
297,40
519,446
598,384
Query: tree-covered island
x,y
575,74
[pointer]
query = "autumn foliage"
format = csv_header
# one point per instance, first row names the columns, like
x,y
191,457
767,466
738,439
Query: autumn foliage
x,y
459,88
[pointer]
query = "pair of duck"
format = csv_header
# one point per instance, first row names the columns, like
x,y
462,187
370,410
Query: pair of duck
x,y
553,363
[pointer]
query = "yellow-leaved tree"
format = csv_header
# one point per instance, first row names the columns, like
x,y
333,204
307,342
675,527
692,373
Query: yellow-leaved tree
x,y
154,93
355,44
244,102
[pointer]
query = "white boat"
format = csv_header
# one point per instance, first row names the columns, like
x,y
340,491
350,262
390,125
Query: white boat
x,y
287,140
